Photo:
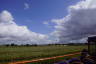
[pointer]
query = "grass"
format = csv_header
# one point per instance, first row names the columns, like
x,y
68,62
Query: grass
x,y
18,53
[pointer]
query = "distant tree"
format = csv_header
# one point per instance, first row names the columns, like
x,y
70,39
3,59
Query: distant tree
x,y
27,45
7,45
70,43
34,45
49,44
12,44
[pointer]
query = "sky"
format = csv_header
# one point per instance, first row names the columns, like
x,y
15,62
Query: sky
x,y
46,21
33,13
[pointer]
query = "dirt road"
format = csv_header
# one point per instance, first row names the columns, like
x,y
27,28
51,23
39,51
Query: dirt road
x,y
37,60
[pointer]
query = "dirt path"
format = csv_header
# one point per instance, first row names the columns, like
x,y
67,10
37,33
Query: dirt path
x,y
30,61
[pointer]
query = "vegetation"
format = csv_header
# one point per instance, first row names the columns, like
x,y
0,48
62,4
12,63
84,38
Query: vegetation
x,y
18,53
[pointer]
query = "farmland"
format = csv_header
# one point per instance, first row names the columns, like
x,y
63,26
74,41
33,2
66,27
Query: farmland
x,y
18,53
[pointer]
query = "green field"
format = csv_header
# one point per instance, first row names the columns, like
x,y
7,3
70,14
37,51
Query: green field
x,y
18,53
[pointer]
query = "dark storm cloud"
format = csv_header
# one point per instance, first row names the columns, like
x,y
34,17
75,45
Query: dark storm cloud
x,y
79,23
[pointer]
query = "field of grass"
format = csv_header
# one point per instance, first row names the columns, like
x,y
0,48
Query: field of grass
x,y
18,53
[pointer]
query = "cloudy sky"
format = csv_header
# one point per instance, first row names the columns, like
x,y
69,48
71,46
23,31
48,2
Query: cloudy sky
x,y
46,21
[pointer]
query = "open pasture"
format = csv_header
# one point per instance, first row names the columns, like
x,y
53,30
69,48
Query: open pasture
x,y
19,53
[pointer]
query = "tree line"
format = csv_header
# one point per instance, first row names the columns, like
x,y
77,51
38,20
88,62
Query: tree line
x,y
75,44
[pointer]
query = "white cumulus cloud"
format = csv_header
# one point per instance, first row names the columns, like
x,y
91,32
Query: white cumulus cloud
x,y
11,32
26,6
